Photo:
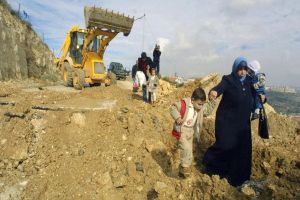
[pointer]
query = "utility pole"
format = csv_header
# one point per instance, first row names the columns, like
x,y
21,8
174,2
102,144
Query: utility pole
x,y
19,9
143,34
44,60
143,29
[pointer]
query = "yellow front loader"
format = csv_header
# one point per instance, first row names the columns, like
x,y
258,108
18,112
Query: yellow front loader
x,y
81,56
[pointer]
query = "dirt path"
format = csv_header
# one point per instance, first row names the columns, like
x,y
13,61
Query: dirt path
x,y
126,85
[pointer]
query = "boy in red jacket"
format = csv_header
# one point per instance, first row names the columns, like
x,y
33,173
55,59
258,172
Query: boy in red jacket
x,y
188,115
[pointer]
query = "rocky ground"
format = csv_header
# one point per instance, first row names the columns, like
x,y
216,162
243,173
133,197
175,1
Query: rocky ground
x,y
105,143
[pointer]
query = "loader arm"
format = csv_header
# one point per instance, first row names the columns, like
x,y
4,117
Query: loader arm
x,y
105,38
105,25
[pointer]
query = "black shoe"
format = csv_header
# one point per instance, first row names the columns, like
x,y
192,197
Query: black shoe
x,y
254,116
184,172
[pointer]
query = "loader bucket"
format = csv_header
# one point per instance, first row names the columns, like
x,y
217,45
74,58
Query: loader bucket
x,y
107,20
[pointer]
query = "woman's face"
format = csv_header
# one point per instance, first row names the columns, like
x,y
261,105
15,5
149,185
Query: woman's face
x,y
242,71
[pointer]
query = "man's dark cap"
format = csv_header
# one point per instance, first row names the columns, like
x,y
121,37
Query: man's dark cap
x,y
144,55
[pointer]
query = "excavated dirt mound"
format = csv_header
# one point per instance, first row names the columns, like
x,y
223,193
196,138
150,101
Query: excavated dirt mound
x,y
105,143
165,88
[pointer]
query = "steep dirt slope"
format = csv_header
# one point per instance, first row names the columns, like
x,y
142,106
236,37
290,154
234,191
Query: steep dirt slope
x,y
124,151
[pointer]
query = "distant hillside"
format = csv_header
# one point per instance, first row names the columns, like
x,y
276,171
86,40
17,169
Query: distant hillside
x,y
286,103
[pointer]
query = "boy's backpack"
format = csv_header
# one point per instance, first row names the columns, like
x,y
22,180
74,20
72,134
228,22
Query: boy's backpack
x,y
175,133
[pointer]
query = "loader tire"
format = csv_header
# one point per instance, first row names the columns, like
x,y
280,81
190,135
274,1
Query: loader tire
x,y
67,75
78,79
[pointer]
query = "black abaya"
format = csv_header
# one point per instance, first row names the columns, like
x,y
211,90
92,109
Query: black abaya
x,y
231,154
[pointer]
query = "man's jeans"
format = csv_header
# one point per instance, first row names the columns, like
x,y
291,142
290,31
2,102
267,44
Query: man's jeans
x,y
145,97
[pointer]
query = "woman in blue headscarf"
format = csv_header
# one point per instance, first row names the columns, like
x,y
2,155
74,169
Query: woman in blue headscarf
x,y
231,154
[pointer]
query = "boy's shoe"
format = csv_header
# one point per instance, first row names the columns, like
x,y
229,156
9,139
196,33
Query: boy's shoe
x,y
184,172
254,116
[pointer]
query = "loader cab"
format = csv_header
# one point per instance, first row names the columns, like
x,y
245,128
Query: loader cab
x,y
76,48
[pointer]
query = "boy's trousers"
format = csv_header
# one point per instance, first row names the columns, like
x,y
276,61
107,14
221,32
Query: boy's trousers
x,y
186,146
152,96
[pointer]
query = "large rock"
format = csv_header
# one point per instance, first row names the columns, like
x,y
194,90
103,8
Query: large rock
x,y
248,191
21,153
78,119
160,187
104,181
164,88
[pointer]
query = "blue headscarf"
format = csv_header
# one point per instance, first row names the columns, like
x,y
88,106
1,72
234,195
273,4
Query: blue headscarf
x,y
235,67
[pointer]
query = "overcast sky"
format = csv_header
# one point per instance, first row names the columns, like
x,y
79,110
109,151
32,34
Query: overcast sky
x,y
197,36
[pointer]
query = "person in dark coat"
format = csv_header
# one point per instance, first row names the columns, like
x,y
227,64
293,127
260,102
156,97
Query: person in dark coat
x,y
134,70
145,63
156,58
231,154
